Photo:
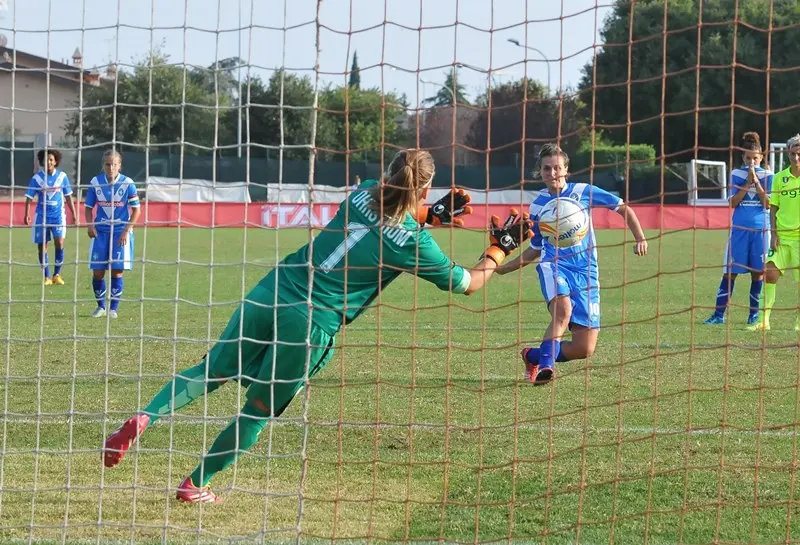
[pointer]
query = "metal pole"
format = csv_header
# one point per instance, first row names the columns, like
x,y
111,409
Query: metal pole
x,y
239,94
546,60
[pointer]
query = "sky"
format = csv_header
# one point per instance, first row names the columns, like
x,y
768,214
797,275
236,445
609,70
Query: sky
x,y
403,45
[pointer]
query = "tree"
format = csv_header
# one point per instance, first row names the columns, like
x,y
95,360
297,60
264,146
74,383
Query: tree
x,y
452,91
546,119
355,73
269,118
219,78
717,94
145,106
358,121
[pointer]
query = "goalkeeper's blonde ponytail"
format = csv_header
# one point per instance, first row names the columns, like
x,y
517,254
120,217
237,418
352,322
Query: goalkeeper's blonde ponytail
x,y
402,189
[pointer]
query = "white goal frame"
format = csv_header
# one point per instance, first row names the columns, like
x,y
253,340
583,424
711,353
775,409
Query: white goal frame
x,y
721,181
776,153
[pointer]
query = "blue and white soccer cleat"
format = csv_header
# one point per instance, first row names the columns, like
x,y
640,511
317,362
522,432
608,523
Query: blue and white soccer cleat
x,y
99,312
715,319
753,319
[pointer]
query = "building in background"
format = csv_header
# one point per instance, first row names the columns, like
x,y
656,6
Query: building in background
x,y
39,92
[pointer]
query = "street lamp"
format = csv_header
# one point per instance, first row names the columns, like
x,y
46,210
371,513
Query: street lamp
x,y
546,60
490,73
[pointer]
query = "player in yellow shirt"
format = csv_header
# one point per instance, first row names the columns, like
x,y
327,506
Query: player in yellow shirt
x,y
784,244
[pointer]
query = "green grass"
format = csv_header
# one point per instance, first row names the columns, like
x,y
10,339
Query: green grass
x,y
420,428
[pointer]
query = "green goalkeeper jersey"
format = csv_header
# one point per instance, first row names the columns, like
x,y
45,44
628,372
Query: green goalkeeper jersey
x,y
355,257
786,197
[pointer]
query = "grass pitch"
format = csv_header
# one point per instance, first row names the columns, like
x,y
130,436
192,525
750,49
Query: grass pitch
x,y
420,428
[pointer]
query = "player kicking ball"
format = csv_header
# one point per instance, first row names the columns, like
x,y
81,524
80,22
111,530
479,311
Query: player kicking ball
x,y
115,202
271,343
749,238
51,189
568,276
784,243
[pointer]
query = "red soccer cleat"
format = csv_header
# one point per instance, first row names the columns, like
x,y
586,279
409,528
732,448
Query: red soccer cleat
x,y
543,376
189,493
530,368
118,443
533,373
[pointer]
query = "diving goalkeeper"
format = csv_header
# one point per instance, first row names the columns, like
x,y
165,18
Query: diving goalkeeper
x,y
282,327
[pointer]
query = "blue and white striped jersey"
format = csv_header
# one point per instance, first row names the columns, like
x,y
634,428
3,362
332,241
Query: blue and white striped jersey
x,y
112,200
750,213
49,191
582,256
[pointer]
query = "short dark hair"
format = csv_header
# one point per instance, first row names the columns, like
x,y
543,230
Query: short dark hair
x,y
54,152
553,150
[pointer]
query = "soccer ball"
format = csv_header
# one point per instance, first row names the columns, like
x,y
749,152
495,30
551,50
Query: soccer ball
x,y
564,222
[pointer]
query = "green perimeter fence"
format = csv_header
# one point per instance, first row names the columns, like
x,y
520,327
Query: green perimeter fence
x,y
16,167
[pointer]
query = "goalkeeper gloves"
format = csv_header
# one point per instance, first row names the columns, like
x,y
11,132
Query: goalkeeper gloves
x,y
505,238
447,210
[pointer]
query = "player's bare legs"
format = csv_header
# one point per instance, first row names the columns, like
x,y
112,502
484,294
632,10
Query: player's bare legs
x,y
582,345
58,242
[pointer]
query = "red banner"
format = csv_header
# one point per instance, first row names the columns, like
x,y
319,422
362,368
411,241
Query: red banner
x,y
161,214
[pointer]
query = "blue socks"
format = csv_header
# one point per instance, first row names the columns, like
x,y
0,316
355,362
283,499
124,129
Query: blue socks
x,y
44,262
533,356
726,289
99,287
755,295
59,260
724,295
116,291
549,350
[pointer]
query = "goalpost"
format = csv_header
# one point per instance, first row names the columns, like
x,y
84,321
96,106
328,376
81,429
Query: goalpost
x,y
777,156
708,183
245,124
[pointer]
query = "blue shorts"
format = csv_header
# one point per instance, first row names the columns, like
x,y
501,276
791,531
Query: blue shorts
x,y
104,245
582,288
746,251
44,231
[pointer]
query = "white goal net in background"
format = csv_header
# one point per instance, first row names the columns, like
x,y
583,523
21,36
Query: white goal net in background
x,y
245,123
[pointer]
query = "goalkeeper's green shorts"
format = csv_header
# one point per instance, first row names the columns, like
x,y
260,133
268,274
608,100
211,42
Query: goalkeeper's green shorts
x,y
786,256
265,348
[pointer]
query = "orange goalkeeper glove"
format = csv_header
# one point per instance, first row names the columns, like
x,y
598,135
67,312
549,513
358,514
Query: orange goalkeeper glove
x,y
447,210
505,238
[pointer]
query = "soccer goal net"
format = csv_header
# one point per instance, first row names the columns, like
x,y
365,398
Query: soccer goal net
x,y
229,133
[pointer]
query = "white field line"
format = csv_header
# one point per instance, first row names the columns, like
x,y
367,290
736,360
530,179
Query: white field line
x,y
112,423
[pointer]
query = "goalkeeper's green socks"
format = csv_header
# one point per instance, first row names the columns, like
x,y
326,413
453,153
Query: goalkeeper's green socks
x,y
769,300
187,386
241,434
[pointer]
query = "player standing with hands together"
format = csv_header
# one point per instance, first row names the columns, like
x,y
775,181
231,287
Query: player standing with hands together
x,y
748,243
